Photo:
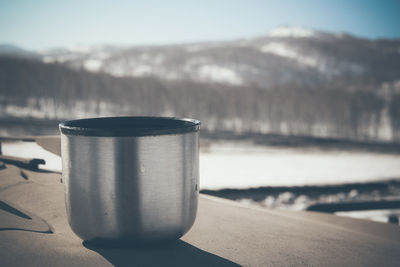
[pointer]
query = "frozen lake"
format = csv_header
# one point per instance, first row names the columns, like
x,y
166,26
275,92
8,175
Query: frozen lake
x,y
230,165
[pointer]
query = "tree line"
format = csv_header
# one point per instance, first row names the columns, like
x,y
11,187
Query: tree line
x,y
56,92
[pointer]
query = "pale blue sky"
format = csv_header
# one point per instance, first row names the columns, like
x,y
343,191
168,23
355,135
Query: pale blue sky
x,y
38,24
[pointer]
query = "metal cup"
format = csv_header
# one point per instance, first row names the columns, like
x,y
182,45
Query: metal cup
x,y
130,179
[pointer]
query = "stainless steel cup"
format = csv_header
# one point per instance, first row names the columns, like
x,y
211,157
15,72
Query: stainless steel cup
x,y
130,179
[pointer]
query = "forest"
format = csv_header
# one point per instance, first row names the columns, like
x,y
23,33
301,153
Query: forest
x,y
32,89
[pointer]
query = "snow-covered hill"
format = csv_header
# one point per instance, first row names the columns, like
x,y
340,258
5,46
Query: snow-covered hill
x,y
285,56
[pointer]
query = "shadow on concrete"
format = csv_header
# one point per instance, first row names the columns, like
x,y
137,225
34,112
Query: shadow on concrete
x,y
16,219
8,208
176,253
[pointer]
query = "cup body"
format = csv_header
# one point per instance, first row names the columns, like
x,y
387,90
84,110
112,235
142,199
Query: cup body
x,y
137,187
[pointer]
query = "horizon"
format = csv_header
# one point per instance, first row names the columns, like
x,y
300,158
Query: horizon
x,y
266,34
44,24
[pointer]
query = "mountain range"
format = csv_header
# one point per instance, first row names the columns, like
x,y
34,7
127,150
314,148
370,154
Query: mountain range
x,y
286,56
286,66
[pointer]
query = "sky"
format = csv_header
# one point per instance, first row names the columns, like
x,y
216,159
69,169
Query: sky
x,y
41,24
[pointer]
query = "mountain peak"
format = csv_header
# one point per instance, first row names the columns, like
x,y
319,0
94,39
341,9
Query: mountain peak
x,y
290,31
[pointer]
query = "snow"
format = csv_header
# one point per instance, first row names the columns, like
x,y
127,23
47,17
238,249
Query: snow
x,y
158,59
373,215
59,58
49,59
93,64
116,69
194,48
294,32
32,150
142,70
191,48
217,73
195,61
83,49
385,132
232,166
226,165
48,108
283,50
102,55
171,75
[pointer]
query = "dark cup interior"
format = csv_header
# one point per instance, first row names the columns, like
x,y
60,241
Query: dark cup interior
x,y
129,126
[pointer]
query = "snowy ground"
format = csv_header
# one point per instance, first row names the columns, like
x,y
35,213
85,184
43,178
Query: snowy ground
x,y
373,215
242,166
225,165
32,150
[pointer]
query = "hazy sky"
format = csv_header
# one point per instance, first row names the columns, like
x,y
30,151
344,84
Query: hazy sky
x,y
41,24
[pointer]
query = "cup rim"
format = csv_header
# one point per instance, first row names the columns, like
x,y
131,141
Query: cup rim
x,y
129,126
